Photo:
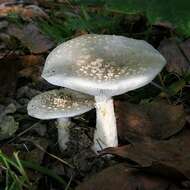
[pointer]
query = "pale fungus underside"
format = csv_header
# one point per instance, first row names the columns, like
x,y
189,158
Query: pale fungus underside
x,y
59,103
103,62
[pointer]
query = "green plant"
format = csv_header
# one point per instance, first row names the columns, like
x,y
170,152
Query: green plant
x,y
15,19
15,176
54,29
173,11
64,23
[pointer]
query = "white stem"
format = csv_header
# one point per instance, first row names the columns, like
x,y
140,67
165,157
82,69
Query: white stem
x,y
63,132
106,132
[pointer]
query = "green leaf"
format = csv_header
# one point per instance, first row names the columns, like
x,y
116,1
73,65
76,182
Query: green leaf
x,y
174,88
16,176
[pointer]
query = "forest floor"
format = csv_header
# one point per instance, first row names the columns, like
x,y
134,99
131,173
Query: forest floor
x,y
153,122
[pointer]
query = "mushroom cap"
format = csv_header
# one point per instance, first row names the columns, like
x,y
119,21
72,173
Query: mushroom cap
x,y
59,104
103,64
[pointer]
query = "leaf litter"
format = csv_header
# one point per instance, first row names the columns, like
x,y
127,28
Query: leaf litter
x,y
169,155
153,135
123,178
146,122
31,37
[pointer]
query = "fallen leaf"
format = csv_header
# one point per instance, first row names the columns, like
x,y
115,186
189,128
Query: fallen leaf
x,y
176,61
32,66
122,178
33,11
26,12
31,37
6,1
172,156
149,121
8,127
32,59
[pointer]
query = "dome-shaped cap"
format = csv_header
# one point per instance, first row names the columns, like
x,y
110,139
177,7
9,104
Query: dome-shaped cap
x,y
59,103
103,64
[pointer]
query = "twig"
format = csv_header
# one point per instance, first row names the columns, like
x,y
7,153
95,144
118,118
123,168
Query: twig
x,y
52,155
23,132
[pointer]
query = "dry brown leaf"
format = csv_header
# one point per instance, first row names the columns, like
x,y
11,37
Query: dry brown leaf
x,y
31,60
26,12
31,72
7,1
176,62
121,178
171,155
32,66
146,122
31,37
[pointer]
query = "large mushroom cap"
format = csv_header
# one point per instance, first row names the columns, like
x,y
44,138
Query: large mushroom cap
x,y
103,64
59,103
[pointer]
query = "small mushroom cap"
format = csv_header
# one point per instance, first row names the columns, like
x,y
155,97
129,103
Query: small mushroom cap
x,y
59,104
103,64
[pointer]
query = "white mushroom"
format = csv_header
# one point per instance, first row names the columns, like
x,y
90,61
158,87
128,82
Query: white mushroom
x,y
114,65
61,105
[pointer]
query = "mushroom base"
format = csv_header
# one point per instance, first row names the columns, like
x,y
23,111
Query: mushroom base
x,y
106,132
63,132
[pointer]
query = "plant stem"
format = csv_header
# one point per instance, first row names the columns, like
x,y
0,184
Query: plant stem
x,y
63,132
106,132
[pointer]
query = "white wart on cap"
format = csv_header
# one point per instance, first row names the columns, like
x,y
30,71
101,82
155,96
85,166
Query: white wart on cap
x,y
60,103
103,64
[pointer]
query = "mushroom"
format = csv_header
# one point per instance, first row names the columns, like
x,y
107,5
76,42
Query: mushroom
x,y
61,105
103,66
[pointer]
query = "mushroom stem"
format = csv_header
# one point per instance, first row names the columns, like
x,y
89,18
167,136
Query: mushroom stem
x,y
63,132
106,132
